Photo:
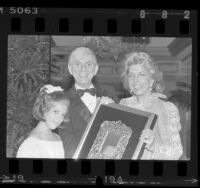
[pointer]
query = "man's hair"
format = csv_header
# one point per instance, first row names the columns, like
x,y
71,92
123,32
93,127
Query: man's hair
x,y
79,51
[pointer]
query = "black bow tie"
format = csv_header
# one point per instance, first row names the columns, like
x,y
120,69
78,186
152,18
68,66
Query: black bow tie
x,y
81,92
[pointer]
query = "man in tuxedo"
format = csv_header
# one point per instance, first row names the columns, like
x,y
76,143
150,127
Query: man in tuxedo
x,y
83,96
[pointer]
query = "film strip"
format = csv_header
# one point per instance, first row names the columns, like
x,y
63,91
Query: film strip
x,y
141,23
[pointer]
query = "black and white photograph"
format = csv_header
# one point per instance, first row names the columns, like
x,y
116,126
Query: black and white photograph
x,y
99,97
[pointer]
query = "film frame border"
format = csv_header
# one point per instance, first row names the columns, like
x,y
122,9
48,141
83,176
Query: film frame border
x,y
181,23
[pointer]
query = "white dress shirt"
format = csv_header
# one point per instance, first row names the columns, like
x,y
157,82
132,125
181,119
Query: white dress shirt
x,y
89,100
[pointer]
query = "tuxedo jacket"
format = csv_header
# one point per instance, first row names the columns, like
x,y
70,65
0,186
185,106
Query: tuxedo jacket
x,y
79,116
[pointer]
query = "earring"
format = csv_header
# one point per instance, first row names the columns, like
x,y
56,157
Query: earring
x,y
131,91
152,86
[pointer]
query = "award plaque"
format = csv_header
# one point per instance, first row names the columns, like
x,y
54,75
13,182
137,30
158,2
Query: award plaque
x,y
113,132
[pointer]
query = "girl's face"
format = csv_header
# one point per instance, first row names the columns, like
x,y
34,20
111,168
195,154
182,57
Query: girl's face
x,y
54,117
139,79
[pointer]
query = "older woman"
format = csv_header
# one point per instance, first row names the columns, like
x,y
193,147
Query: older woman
x,y
141,76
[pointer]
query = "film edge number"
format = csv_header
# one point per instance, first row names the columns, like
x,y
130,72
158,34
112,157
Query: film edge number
x,y
20,10
34,10
164,14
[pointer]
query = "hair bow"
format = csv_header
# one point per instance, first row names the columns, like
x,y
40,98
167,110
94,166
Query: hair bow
x,y
50,88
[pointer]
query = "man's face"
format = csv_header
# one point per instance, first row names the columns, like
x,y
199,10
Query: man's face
x,y
83,68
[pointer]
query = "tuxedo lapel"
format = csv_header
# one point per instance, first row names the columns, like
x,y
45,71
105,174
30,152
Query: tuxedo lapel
x,y
99,94
79,105
82,109
99,91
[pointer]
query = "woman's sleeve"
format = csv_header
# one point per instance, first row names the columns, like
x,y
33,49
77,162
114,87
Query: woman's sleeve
x,y
173,149
28,149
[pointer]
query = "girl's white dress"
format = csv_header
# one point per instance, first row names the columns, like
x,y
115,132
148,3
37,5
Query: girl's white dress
x,y
167,143
34,147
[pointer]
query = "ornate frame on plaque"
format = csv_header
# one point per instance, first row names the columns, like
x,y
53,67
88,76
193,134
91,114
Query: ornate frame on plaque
x,y
115,146
113,132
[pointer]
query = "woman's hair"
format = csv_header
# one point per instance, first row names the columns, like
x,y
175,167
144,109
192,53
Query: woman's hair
x,y
148,63
80,51
45,99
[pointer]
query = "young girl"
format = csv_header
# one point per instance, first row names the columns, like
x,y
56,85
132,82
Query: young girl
x,y
49,109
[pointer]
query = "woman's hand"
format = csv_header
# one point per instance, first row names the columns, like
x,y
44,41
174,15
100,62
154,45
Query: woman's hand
x,y
105,100
147,137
